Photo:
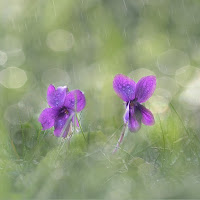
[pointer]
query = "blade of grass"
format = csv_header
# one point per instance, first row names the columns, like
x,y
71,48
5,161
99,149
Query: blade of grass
x,y
186,130
180,119
81,129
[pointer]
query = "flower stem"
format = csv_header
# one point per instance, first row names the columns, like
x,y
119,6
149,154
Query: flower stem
x,y
120,139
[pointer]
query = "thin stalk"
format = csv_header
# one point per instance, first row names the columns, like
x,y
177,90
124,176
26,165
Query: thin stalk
x,y
66,124
186,130
163,136
62,132
81,129
180,119
120,139
23,140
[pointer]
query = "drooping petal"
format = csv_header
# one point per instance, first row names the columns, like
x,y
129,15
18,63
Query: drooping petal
x,y
126,115
134,122
147,116
75,121
62,125
124,87
75,100
47,117
145,88
56,97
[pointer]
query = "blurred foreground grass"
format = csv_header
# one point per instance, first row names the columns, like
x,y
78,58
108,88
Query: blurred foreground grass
x,y
158,162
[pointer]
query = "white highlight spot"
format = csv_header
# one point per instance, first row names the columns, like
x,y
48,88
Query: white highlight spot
x,y
167,84
3,58
60,40
12,46
158,104
16,57
171,60
163,93
13,77
187,74
190,97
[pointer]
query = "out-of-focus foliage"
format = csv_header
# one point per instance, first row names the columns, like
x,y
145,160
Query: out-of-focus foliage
x,y
83,44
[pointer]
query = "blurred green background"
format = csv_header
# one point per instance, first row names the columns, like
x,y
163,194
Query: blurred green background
x,y
83,44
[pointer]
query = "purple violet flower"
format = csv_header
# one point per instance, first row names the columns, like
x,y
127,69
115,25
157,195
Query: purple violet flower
x,y
134,94
63,108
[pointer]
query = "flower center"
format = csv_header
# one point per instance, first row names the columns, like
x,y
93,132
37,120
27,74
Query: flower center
x,y
64,110
133,102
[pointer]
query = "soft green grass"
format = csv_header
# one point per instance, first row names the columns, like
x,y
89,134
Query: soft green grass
x,y
157,162
110,37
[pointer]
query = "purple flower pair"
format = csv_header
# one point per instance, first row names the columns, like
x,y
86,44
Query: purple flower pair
x,y
63,108
64,105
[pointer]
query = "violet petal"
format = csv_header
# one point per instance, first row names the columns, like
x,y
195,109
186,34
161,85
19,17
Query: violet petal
x,y
134,123
47,117
147,116
75,100
145,88
62,122
56,97
124,87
